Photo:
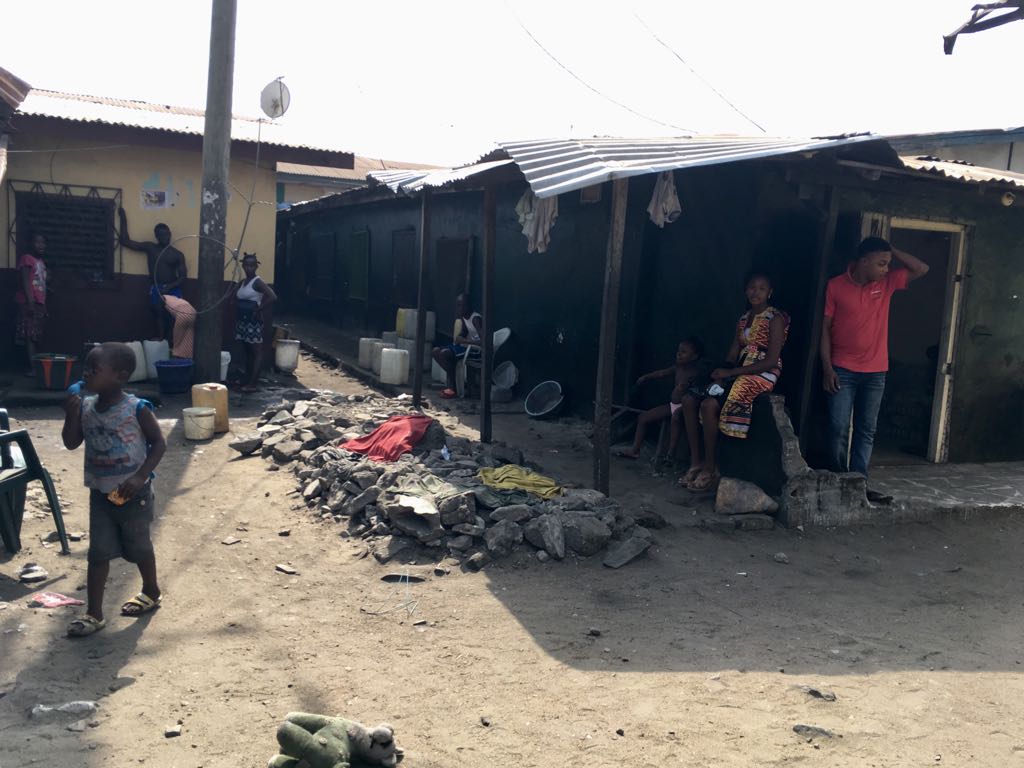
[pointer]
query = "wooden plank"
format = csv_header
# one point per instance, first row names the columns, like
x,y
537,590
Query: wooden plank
x,y
421,313
487,351
810,379
609,328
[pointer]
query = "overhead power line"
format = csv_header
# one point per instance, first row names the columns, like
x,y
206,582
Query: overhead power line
x,y
587,85
696,74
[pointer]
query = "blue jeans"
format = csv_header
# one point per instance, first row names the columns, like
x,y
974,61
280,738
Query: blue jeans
x,y
860,394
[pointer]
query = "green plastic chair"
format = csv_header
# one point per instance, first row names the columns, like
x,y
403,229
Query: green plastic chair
x,y
17,470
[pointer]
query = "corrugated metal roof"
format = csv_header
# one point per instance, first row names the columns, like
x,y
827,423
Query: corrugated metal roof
x,y
12,88
363,166
555,166
964,171
408,181
141,114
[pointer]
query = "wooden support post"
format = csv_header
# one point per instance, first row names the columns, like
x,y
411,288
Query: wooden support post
x,y
421,313
487,350
810,380
609,328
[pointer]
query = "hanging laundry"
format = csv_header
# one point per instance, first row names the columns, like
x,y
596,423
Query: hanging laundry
x,y
664,207
514,477
537,216
396,436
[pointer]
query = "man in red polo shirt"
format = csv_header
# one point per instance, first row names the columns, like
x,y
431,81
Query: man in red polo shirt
x,y
855,349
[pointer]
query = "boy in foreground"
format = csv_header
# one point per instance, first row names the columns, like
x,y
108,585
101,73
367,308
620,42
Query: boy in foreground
x,y
123,445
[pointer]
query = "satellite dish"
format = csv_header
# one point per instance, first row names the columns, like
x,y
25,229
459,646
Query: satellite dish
x,y
275,99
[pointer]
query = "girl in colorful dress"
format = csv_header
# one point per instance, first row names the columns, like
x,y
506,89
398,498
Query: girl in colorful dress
x,y
754,366
31,298
252,299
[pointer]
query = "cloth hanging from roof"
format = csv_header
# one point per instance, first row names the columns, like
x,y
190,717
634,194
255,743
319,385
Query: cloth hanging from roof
x,y
536,217
512,477
396,436
664,207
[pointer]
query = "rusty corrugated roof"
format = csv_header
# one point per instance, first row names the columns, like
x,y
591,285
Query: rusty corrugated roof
x,y
13,89
159,117
962,171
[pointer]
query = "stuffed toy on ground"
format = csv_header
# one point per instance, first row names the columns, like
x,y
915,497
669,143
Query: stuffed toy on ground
x,y
318,741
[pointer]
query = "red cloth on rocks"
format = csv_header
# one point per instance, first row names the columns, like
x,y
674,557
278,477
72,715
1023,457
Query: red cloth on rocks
x,y
396,436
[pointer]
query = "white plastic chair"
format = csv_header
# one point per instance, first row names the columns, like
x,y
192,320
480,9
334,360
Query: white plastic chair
x,y
471,358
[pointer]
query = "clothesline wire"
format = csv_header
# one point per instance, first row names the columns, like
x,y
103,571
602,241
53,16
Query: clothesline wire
x,y
697,74
587,85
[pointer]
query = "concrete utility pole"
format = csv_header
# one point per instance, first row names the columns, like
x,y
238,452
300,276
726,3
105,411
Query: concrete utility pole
x,y
213,211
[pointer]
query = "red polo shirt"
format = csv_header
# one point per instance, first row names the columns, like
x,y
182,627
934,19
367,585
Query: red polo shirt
x,y
860,320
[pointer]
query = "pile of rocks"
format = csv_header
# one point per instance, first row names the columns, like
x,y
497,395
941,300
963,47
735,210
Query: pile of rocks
x,y
433,499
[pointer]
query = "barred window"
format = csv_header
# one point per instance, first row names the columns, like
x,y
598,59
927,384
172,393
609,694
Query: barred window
x,y
77,221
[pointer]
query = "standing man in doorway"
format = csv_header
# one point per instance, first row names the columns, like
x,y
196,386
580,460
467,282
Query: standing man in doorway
x,y
855,349
167,270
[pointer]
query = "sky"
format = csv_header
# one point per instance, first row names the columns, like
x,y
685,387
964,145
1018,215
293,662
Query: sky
x,y
442,81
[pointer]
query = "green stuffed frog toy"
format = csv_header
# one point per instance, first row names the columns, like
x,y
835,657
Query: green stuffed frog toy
x,y
318,741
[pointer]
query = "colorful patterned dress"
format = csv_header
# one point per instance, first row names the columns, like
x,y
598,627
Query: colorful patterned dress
x,y
734,420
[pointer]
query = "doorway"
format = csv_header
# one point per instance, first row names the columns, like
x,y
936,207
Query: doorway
x,y
913,422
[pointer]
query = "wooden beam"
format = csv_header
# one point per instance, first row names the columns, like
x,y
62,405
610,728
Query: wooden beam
x,y
810,379
421,313
609,328
487,351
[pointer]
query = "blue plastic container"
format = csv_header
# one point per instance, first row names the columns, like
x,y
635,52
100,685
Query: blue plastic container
x,y
174,376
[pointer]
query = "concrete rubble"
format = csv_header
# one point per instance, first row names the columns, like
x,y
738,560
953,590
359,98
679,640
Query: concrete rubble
x,y
432,502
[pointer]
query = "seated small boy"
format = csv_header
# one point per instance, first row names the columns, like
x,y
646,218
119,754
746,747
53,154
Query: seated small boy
x,y
123,445
689,373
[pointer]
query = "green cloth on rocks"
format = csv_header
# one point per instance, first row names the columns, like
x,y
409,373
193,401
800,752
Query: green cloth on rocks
x,y
513,477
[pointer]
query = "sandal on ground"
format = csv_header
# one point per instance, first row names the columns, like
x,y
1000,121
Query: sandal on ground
x,y
448,393
689,477
85,625
140,604
625,454
705,481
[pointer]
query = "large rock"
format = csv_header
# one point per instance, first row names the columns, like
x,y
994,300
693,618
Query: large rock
x,y
389,547
584,533
325,432
501,538
286,451
415,516
313,489
269,443
622,552
357,504
582,498
738,497
505,454
517,513
546,532
459,508
364,479
247,443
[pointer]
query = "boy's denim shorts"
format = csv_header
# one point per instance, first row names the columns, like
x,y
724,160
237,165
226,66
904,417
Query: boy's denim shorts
x,y
120,531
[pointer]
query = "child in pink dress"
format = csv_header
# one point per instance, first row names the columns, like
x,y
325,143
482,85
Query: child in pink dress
x,y
31,299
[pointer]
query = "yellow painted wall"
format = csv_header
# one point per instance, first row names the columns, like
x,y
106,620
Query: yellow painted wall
x,y
135,168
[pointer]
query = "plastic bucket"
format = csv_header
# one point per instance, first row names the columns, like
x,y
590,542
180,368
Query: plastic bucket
x,y
199,422
544,400
225,361
174,376
505,375
376,349
54,371
286,355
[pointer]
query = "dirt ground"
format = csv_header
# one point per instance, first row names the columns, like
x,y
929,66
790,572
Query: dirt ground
x,y
703,646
